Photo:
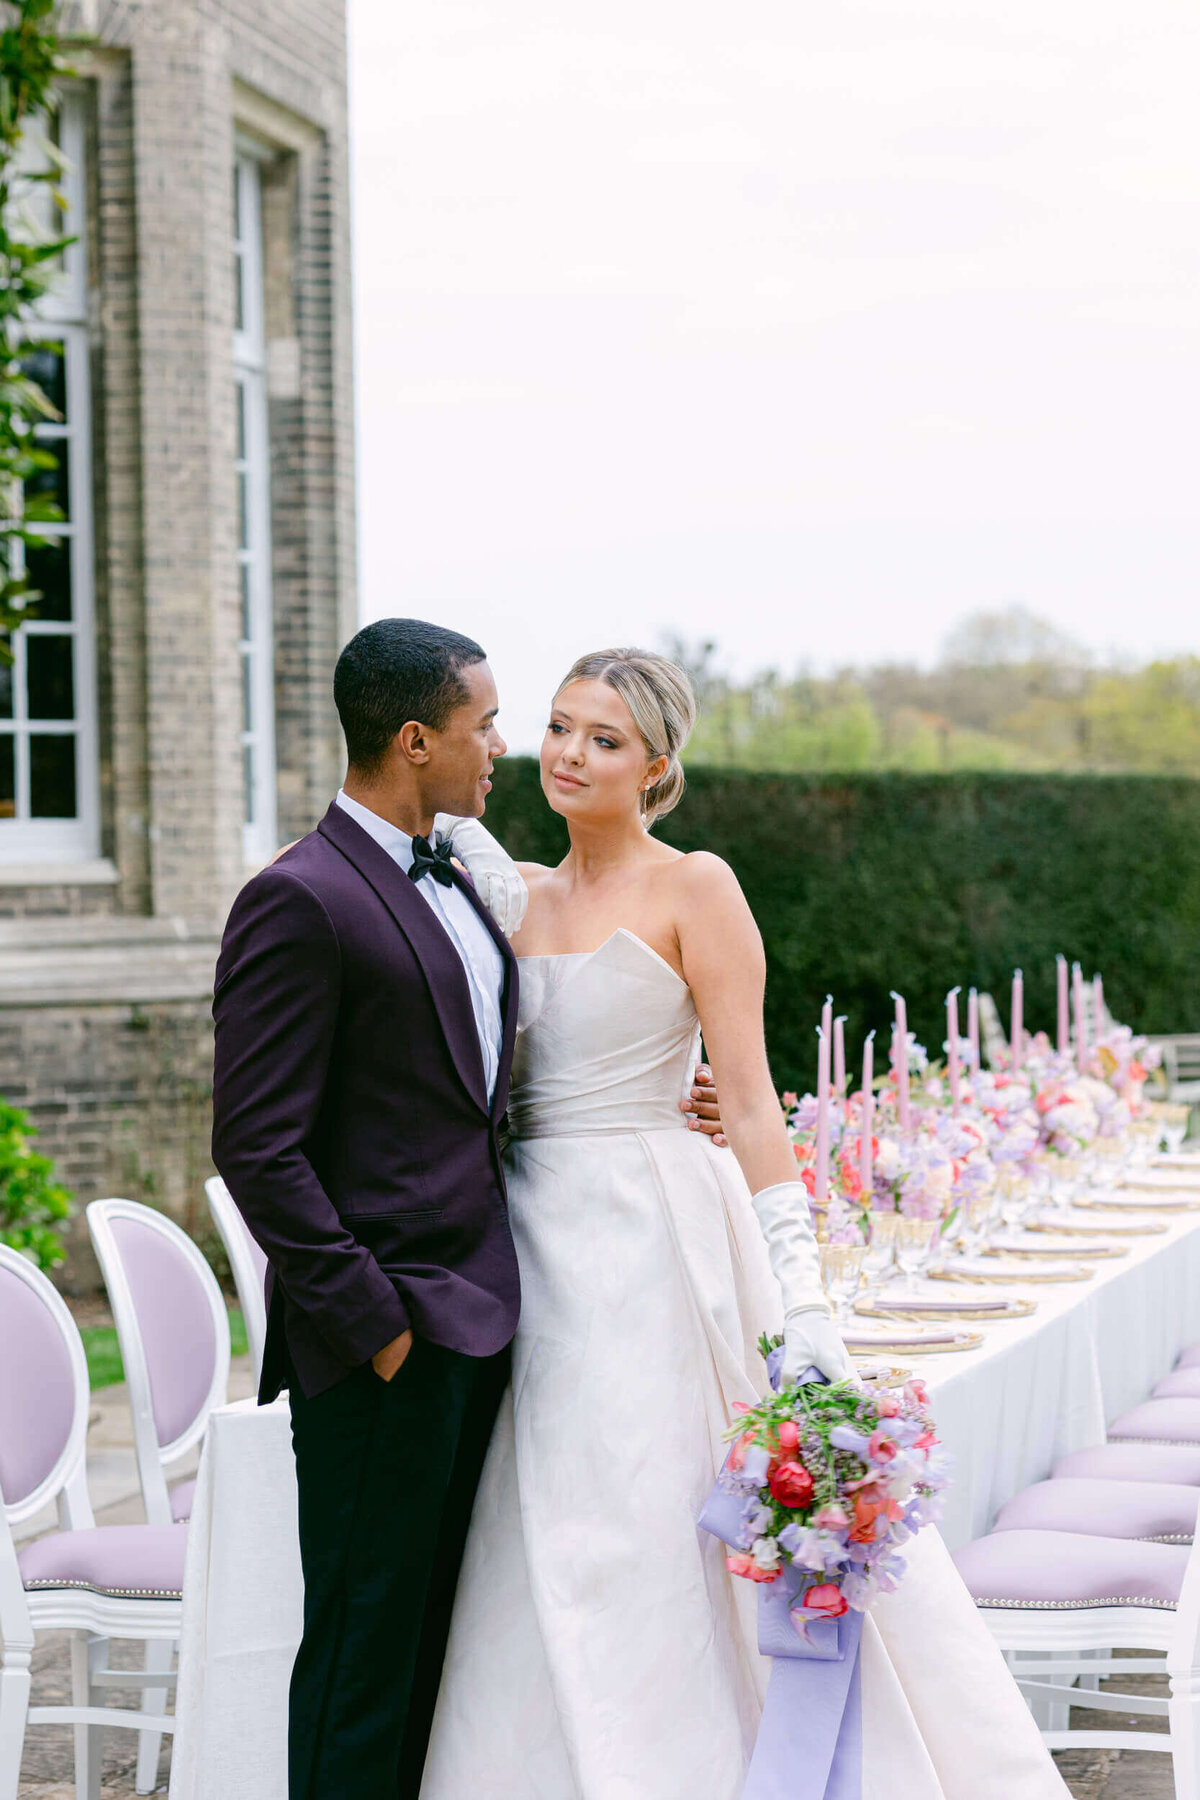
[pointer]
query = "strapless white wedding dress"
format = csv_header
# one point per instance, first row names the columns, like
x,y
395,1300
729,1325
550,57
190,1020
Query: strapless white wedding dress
x,y
600,1650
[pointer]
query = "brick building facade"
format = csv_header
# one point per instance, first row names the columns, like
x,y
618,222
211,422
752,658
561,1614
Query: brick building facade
x,y
170,721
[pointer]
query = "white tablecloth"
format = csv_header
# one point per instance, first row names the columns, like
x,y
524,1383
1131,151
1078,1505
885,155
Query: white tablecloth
x,y
1041,1386
1037,1388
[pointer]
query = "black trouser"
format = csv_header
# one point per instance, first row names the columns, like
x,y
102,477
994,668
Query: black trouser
x,y
387,1473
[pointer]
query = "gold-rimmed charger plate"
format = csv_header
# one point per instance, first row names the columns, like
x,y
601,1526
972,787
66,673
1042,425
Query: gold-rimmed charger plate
x,y
1125,1200
1162,1181
1093,1252
913,1311
1015,1273
1119,1228
963,1340
882,1374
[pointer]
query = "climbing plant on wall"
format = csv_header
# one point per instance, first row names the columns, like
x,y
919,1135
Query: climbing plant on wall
x,y
32,205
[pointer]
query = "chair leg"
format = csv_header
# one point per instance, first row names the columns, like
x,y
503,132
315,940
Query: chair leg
x,y
14,1704
1183,1717
1049,1714
1091,1683
1058,1712
159,1654
87,1653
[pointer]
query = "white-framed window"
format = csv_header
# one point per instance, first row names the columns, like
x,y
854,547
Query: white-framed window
x,y
252,471
49,785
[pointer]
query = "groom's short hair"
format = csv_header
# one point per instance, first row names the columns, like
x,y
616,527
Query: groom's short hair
x,y
396,670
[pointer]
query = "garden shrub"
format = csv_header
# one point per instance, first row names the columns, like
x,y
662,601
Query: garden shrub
x,y
34,1208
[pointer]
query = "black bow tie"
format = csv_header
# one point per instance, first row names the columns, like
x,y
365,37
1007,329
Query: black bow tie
x,y
432,862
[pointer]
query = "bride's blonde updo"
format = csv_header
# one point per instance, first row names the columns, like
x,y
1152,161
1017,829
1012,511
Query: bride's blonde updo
x,y
660,698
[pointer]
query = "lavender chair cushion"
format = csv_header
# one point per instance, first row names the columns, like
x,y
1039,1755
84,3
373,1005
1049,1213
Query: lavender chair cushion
x,y
182,1499
1180,1384
37,1389
175,1322
1117,1509
1176,1463
1060,1568
124,1561
1189,1358
1167,1421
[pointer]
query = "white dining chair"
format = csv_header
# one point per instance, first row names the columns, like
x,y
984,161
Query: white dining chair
x,y
173,1328
247,1262
1056,1601
96,1582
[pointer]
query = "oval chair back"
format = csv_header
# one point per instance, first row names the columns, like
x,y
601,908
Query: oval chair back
x,y
173,1329
248,1263
44,1398
44,1404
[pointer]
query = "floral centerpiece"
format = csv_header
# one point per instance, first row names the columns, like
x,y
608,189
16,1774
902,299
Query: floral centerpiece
x,y
833,1481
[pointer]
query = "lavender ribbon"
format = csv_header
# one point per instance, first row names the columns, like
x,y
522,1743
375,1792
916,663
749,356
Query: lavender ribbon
x,y
809,1744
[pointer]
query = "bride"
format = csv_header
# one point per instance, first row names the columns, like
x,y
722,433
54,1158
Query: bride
x,y
600,1650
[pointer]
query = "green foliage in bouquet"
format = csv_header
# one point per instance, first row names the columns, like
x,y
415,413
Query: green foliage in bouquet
x,y
30,256
34,1208
864,883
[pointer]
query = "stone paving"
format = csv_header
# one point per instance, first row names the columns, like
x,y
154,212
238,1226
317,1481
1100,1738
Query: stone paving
x,y
48,1765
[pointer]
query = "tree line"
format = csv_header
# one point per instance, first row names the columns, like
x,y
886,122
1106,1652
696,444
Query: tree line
x,y
1009,691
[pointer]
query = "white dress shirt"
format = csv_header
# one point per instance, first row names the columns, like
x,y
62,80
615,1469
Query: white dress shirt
x,y
476,947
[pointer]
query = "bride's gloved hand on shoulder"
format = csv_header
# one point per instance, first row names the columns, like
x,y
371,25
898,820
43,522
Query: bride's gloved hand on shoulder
x,y
498,881
810,1337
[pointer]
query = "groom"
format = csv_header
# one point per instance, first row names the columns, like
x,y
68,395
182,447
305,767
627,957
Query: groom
x,y
366,1011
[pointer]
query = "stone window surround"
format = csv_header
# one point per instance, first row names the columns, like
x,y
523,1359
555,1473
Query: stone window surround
x,y
277,133
44,851
256,645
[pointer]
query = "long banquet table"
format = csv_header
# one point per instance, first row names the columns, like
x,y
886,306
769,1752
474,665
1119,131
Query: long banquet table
x,y
1037,1388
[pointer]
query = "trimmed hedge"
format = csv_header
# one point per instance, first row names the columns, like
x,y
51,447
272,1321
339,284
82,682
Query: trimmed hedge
x,y
865,883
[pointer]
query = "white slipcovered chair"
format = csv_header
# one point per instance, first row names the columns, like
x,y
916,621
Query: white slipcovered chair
x,y
173,1328
247,1262
97,1582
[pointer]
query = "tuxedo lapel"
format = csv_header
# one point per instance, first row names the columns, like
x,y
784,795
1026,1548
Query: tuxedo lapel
x,y
511,992
439,960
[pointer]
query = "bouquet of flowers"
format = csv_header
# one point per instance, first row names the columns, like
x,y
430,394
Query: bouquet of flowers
x,y
832,1480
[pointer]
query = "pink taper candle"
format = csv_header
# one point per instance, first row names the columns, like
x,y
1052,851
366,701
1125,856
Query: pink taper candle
x,y
839,1056
1064,1006
821,1170
1017,1029
1097,1007
973,1028
1081,1047
952,1047
901,1047
866,1162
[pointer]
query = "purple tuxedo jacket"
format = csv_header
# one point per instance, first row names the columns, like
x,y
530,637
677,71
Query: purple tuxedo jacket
x,y
351,1119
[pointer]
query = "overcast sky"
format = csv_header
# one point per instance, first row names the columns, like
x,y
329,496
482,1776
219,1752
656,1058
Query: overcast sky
x,y
807,328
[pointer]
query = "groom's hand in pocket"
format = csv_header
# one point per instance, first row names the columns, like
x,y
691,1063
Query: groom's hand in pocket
x,y
391,1359
702,1107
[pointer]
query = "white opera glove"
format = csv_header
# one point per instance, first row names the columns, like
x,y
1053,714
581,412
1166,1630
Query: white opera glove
x,y
810,1338
498,881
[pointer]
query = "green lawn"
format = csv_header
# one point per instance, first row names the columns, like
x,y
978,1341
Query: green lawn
x,y
104,1358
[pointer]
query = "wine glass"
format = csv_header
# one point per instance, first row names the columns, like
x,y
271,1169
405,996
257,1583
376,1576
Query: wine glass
x,y
1016,1193
1174,1128
879,1254
841,1272
915,1240
976,1217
